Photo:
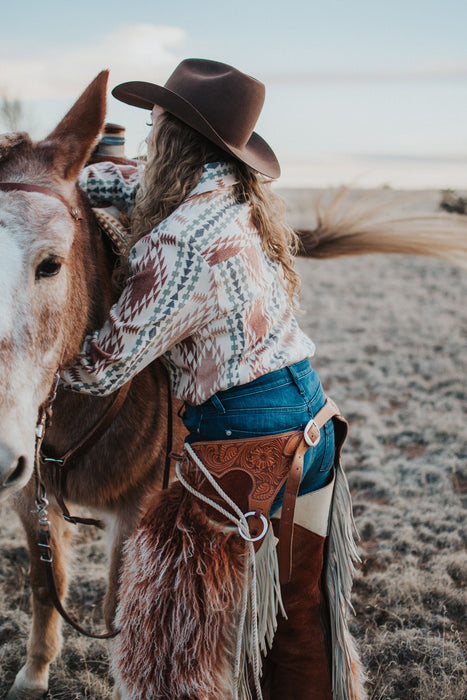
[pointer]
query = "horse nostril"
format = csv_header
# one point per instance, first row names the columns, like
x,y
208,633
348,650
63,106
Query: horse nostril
x,y
16,472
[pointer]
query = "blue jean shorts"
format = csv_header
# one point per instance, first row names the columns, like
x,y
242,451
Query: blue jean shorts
x,y
283,400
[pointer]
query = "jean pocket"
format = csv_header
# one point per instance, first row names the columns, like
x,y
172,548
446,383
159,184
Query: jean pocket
x,y
247,432
264,422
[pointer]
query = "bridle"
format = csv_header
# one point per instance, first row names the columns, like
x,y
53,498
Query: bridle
x,y
26,187
63,464
61,467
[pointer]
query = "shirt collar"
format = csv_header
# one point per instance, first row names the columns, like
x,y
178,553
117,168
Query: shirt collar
x,y
215,176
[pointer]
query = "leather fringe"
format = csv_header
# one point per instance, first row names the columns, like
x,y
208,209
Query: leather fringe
x,y
261,595
347,674
269,603
268,591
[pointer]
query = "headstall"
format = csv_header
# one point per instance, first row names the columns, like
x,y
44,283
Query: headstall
x,y
26,187
45,416
62,464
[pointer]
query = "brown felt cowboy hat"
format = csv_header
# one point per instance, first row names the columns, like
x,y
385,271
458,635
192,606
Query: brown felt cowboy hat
x,y
216,100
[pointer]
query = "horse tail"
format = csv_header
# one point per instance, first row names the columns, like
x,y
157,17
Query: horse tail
x,y
361,229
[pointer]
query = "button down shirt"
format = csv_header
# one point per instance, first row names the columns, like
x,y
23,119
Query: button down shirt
x,y
202,295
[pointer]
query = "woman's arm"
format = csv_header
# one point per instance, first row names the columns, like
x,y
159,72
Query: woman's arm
x,y
169,294
108,183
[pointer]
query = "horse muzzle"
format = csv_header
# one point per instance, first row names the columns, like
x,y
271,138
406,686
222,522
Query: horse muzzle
x,y
14,468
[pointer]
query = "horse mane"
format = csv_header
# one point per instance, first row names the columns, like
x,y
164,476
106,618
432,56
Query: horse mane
x,y
16,140
20,159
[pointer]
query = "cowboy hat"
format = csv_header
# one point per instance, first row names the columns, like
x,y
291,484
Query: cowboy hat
x,y
215,99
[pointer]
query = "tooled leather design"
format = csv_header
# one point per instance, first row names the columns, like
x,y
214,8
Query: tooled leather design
x,y
266,460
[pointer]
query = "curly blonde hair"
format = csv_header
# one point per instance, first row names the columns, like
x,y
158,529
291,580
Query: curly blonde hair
x,y
180,154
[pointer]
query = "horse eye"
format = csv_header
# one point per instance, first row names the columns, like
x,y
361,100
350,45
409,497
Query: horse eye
x,y
48,267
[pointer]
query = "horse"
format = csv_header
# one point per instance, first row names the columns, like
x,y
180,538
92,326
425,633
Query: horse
x,y
56,286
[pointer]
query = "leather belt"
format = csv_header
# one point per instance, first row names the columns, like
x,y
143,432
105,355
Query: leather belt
x,y
253,470
311,437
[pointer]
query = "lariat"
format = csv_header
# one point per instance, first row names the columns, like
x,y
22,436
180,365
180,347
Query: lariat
x,y
249,594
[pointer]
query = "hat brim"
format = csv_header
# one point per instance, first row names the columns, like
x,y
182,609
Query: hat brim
x,y
256,153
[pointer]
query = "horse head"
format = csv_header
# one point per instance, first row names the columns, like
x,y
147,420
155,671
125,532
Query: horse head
x,y
48,265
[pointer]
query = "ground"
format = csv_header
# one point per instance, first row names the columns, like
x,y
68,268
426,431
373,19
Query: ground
x,y
391,351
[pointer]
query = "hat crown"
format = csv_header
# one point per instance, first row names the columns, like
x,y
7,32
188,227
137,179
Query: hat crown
x,y
217,101
228,99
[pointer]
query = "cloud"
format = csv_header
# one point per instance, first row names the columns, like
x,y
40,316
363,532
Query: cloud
x,y
139,52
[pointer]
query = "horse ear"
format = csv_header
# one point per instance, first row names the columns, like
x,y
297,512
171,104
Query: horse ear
x,y
73,139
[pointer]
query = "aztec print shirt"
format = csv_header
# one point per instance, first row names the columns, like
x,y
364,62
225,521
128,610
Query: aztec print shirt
x,y
202,295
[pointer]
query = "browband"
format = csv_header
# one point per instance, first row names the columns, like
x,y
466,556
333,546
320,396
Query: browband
x,y
25,187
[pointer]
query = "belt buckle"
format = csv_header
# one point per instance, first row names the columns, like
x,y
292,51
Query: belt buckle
x,y
309,441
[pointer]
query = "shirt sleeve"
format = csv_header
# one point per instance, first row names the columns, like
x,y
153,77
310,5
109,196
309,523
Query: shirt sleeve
x,y
108,183
169,294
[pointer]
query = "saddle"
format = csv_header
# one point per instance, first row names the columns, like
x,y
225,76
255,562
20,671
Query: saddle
x,y
252,471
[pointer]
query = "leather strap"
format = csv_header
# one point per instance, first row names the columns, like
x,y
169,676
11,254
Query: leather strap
x,y
47,558
66,462
312,432
97,431
169,438
253,470
26,187
62,467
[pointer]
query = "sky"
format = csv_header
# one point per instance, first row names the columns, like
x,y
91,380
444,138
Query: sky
x,y
358,92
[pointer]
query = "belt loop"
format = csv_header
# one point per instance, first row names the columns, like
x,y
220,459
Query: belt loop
x,y
296,379
217,403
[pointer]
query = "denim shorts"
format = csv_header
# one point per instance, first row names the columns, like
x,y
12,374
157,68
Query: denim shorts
x,y
283,400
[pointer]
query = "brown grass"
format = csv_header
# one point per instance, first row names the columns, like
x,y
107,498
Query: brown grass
x,y
391,335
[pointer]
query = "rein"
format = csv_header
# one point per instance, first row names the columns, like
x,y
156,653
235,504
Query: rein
x,y
59,478
90,439
63,464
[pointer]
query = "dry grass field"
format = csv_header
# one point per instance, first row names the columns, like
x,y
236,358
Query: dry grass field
x,y
391,335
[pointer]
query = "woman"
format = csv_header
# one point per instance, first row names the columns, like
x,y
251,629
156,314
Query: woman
x,y
211,291
212,284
